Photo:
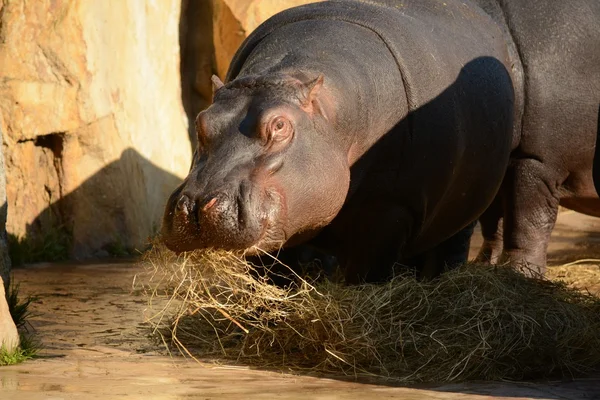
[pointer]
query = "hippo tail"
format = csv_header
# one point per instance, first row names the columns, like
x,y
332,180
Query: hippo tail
x,y
596,167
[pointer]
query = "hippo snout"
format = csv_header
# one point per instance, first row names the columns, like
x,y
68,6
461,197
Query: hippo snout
x,y
185,205
230,220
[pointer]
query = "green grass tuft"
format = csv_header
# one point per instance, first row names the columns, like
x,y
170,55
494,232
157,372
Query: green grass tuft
x,y
118,249
19,310
28,349
29,345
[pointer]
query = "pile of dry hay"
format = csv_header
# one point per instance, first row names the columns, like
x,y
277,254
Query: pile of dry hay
x,y
475,322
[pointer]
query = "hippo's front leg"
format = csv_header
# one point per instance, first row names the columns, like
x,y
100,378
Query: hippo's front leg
x,y
451,253
371,241
531,208
491,229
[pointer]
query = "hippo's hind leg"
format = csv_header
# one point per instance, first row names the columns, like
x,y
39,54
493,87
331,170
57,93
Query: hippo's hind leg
x,y
531,208
451,253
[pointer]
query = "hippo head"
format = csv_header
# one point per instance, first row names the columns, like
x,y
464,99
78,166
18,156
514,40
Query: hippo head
x,y
267,170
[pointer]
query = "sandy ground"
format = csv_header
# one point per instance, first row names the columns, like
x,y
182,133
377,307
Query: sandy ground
x,y
90,320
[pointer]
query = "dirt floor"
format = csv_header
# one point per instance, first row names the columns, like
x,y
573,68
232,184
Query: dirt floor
x,y
90,318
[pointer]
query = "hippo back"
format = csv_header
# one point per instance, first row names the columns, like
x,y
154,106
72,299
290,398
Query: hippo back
x,y
416,32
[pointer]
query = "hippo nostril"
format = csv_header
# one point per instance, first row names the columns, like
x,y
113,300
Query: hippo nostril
x,y
210,203
184,204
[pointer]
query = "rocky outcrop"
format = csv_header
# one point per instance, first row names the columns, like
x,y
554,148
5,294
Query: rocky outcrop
x,y
95,132
9,336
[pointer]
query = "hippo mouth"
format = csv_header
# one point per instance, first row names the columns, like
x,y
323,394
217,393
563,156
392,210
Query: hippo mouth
x,y
273,235
246,223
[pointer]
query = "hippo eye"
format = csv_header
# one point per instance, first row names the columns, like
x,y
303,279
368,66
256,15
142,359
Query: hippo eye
x,y
279,130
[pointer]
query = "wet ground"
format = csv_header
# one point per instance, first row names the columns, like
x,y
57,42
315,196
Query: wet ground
x,y
90,320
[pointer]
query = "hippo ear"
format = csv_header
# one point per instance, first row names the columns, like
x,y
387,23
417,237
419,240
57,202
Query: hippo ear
x,y
216,83
313,89
311,103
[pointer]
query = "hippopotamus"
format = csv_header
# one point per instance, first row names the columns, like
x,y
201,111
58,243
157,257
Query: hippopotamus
x,y
380,132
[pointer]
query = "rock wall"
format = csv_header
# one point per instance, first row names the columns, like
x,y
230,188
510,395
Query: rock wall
x,y
95,132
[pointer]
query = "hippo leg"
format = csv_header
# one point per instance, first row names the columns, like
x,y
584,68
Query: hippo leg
x,y
279,267
491,230
379,230
302,260
449,254
531,208
366,263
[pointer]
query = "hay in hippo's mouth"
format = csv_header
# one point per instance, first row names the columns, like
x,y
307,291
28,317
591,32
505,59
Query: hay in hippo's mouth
x,y
476,322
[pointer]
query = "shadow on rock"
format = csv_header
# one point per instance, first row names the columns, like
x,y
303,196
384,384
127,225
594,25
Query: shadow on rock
x,y
113,213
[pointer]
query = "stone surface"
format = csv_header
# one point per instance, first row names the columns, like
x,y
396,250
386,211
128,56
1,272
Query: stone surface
x,y
9,337
234,20
95,132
